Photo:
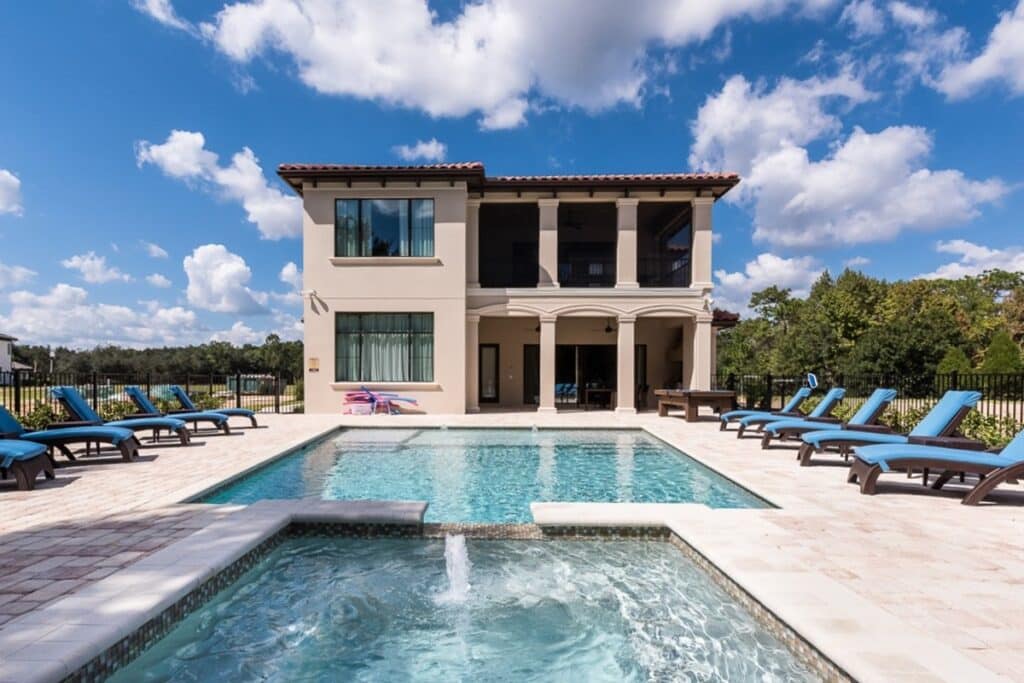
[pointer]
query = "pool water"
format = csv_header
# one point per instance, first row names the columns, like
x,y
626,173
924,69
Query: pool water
x,y
489,475
341,609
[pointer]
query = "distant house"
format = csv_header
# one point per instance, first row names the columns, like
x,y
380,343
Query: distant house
x,y
7,352
460,289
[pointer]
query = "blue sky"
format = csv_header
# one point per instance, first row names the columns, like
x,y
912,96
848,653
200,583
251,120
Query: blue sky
x,y
139,203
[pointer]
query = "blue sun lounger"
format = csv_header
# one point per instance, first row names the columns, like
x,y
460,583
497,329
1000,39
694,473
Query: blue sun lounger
x,y
992,468
791,409
123,439
76,406
148,409
25,460
190,407
941,422
824,408
867,414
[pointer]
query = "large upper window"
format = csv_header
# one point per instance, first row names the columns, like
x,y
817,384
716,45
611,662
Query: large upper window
x,y
587,235
664,244
384,227
508,244
384,347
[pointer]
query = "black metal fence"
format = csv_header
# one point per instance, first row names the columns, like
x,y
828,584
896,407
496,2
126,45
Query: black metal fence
x,y
22,392
1002,396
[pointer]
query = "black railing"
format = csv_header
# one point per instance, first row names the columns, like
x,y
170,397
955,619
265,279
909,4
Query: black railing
x,y
1002,395
23,392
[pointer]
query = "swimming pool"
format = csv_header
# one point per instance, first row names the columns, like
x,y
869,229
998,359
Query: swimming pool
x,y
327,608
489,475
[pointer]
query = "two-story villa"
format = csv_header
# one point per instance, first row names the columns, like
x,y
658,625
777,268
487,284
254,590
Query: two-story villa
x,y
464,290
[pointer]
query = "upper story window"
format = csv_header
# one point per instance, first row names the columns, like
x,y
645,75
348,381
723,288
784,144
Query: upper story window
x,y
384,227
664,244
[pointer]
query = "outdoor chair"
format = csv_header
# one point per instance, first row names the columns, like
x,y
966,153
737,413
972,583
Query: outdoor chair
x,y
824,408
791,409
149,409
189,407
76,406
25,460
867,414
60,438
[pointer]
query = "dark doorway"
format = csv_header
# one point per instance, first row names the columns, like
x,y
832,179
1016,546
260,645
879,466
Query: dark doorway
x,y
490,373
531,374
508,244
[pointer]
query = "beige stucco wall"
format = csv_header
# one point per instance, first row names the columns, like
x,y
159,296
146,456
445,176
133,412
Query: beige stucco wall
x,y
390,285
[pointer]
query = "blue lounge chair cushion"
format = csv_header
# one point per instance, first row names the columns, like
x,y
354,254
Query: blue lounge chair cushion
x,y
868,409
794,402
822,437
10,425
881,454
944,412
147,406
76,402
823,408
186,402
12,450
171,423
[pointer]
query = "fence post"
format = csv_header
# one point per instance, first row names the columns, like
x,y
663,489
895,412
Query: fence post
x,y
238,390
277,393
95,392
767,401
149,383
954,379
17,392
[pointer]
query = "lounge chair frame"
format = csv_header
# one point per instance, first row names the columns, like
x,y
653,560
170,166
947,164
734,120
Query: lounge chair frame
x,y
26,471
808,451
866,474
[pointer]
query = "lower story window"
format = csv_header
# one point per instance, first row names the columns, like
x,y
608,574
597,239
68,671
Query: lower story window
x,y
384,347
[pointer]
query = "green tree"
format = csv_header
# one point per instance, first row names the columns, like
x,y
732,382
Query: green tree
x,y
955,360
1002,355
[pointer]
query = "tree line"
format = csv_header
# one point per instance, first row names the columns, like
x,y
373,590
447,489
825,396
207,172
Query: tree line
x,y
273,356
855,324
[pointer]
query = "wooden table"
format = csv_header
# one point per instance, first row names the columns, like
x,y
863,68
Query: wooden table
x,y
690,400
602,391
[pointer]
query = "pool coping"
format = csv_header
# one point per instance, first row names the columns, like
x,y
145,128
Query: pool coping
x,y
90,633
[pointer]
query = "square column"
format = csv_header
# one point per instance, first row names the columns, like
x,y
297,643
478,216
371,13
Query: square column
x,y
625,247
702,369
473,243
701,263
689,329
472,363
547,364
625,388
547,240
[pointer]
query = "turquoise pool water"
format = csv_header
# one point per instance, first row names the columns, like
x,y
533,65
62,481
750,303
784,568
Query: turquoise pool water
x,y
334,609
489,475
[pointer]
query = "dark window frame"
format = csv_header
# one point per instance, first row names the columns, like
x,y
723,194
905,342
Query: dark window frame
x,y
361,315
361,238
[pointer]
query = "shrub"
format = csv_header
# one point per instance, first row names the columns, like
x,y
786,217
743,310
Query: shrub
x,y
1002,356
993,431
116,410
955,360
41,416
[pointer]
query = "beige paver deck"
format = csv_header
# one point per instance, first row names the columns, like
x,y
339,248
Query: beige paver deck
x,y
950,573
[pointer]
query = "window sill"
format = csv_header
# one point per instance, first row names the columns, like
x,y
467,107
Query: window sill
x,y
386,386
385,261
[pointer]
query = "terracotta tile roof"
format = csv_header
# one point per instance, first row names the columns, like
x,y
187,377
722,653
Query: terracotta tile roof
x,y
472,172
722,318
453,166
616,177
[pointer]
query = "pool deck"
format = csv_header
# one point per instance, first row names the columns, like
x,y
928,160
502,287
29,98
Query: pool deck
x,y
904,585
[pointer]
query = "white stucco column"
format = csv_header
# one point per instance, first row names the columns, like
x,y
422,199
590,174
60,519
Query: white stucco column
x,y
472,243
472,363
625,389
689,328
700,271
701,377
547,364
625,249
714,350
547,239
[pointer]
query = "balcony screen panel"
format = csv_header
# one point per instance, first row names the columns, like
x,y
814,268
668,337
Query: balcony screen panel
x,y
664,244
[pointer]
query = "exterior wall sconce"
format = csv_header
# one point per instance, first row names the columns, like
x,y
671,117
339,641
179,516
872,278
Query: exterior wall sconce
x,y
314,364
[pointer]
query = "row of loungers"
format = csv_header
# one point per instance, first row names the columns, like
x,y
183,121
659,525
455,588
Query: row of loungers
x,y
26,454
933,444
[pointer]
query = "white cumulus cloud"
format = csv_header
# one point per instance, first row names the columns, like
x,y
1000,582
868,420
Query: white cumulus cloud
x,y
867,187
425,150
158,280
84,324
1001,61
493,58
184,156
864,17
218,281
239,334
154,250
94,268
10,193
975,259
163,12
11,276
733,290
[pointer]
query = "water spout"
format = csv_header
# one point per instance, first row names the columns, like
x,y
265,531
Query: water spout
x,y
457,565
534,429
